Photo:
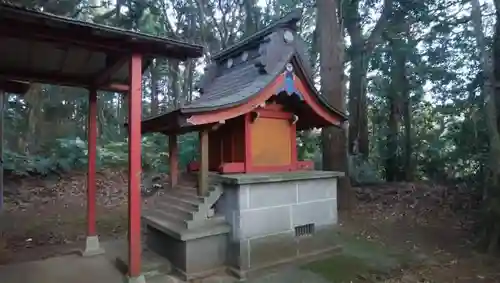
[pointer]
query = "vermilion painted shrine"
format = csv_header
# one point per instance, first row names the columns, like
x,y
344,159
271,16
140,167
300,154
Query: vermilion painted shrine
x,y
248,203
252,194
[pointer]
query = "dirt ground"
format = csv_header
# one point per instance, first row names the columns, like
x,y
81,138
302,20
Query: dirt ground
x,y
46,217
437,253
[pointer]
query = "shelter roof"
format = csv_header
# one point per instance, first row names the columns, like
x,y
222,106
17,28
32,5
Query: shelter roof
x,y
241,72
42,47
16,87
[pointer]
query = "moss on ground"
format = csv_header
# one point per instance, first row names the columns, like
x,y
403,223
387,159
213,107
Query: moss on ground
x,y
360,260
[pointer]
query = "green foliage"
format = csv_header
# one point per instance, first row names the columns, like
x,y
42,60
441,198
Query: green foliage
x,y
63,155
442,82
308,144
363,171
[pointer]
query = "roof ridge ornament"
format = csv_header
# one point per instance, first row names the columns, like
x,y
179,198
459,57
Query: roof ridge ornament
x,y
244,56
288,21
288,36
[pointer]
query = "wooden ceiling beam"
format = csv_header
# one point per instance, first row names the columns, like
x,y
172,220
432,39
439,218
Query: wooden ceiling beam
x,y
56,79
16,87
113,65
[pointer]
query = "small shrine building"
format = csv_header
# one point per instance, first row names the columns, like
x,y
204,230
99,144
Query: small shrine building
x,y
251,194
254,97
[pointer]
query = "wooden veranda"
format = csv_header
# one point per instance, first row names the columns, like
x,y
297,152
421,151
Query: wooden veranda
x,y
44,48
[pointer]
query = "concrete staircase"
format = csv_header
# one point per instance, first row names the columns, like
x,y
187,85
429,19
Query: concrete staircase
x,y
181,207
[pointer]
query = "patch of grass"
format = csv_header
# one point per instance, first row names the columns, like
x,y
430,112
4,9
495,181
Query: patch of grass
x,y
340,268
360,259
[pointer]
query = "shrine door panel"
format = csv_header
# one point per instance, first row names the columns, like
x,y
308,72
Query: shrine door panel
x,y
270,140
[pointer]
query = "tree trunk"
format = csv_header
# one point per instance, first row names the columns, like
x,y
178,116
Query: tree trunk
x,y
34,100
250,19
333,140
408,149
313,55
361,50
121,115
392,154
358,117
496,58
391,164
154,89
187,87
491,111
495,78
174,85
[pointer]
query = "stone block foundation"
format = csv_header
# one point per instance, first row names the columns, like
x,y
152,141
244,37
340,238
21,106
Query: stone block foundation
x,y
193,253
278,218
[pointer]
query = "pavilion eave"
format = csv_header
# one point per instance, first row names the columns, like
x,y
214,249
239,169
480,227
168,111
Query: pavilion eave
x,y
51,49
12,86
42,26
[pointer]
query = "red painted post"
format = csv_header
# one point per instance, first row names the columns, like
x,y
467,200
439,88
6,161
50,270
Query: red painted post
x,y
173,153
293,142
248,144
92,150
134,178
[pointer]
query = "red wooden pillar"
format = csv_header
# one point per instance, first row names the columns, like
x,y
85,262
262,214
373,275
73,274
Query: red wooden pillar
x,y
203,171
248,144
92,151
92,246
173,156
134,178
293,140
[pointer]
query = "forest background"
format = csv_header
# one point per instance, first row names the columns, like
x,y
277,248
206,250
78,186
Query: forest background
x,y
419,79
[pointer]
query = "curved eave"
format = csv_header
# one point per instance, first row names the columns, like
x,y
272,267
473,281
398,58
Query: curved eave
x,y
183,119
307,85
159,123
329,115
209,115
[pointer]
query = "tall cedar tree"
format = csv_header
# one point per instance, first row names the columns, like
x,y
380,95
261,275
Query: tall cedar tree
x,y
331,46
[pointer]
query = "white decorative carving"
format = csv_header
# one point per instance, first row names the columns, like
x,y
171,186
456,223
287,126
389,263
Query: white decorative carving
x,y
288,36
244,56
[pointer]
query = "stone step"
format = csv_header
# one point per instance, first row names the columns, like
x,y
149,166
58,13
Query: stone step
x,y
187,195
166,216
180,201
186,188
176,210
193,177
183,207
175,228
188,182
173,202
155,216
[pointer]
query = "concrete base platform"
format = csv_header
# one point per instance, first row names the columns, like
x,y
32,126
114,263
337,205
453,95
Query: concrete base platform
x,y
64,269
139,279
101,269
194,253
92,247
152,265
